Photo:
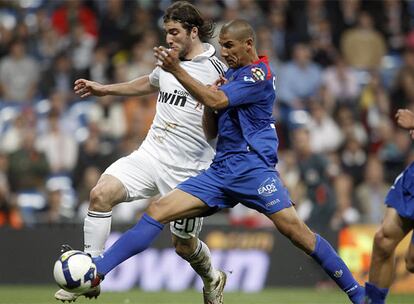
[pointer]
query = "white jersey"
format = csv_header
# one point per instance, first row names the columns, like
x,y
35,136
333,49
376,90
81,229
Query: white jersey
x,y
176,135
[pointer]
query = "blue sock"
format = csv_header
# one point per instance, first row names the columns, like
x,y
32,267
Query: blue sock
x,y
133,241
374,294
335,267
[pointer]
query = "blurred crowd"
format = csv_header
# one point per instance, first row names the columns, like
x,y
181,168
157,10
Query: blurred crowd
x,y
343,69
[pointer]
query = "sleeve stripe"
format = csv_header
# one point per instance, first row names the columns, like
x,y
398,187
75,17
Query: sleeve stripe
x,y
219,71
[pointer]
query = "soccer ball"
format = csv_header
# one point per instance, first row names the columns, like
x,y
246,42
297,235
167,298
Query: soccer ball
x,y
75,271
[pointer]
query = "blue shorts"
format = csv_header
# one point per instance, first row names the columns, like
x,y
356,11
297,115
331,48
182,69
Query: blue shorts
x,y
242,178
401,195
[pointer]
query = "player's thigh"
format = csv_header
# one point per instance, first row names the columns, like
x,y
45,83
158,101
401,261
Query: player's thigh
x,y
136,174
176,205
182,229
392,230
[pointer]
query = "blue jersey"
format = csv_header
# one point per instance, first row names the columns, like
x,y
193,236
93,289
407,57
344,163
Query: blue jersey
x,y
401,195
247,124
243,170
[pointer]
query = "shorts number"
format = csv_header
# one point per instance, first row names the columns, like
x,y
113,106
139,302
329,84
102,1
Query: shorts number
x,y
186,225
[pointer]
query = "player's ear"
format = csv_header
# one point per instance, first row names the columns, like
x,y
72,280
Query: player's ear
x,y
194,32
249,43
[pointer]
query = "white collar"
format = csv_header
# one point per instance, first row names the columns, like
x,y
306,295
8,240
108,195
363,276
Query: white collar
x,y
209,51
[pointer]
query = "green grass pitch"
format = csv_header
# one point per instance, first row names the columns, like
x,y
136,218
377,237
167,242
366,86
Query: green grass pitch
x,y
44,295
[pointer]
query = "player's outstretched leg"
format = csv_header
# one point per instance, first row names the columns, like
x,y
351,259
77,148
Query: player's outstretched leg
x,y
97,224
63,295
291,226
198,255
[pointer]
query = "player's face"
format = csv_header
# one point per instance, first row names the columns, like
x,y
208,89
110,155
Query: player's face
x,y
177,38
233,51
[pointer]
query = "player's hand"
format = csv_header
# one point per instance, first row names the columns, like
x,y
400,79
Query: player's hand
x,y
85,88
167,59
405,119
219,82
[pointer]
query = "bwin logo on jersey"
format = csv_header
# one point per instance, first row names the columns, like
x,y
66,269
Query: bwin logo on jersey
x,y
267,187
178,98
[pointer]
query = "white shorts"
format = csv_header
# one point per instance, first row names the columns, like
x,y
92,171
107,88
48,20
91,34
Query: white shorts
x,y
144,176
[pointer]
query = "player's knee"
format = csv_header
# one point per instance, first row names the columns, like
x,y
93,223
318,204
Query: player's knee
x,y
156,211
183,249
99,199
382,244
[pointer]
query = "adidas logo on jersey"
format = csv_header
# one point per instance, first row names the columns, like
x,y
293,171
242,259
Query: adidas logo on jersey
x,y
178,98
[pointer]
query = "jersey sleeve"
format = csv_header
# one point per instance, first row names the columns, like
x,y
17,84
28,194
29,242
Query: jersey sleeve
x,y
249,87
154,77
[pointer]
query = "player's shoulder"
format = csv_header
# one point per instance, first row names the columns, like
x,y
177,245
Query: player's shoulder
x,y
217,64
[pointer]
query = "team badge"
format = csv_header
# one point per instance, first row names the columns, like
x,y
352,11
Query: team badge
x,y
258,74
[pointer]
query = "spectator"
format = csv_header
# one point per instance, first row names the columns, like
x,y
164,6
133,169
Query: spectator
x,y
371,192
313,170
363,46
19,75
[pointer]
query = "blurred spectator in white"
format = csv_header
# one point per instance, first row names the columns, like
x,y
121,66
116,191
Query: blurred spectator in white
x,y
72,13
108,114
363,46
371,192
12,138
19,74
325,135
81,45
61,148
341,82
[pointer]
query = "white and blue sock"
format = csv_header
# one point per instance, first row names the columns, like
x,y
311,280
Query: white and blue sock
x,y
374,294
133,241
335,267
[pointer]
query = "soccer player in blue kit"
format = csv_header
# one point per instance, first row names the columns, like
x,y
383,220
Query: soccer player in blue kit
x,y
239,111
398,222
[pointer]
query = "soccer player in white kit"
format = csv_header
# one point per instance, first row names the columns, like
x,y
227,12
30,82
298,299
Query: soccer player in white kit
x,y
175,147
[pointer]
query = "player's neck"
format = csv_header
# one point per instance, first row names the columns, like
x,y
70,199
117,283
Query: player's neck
x,y
196,49
253,57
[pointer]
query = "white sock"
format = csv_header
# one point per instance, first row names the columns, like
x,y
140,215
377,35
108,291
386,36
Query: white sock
x,y
96,229
200,260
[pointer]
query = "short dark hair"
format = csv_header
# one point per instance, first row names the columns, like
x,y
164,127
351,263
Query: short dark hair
x,y
189,16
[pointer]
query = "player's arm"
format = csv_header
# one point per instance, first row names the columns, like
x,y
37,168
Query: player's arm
x,y
210,97
405,119
210,123
136,87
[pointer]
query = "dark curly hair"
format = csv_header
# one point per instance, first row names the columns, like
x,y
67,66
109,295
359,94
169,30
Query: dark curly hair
x,y
189,16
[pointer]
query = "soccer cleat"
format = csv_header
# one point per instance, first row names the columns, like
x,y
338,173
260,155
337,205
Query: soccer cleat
x,y
63,295
65,247
215,296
